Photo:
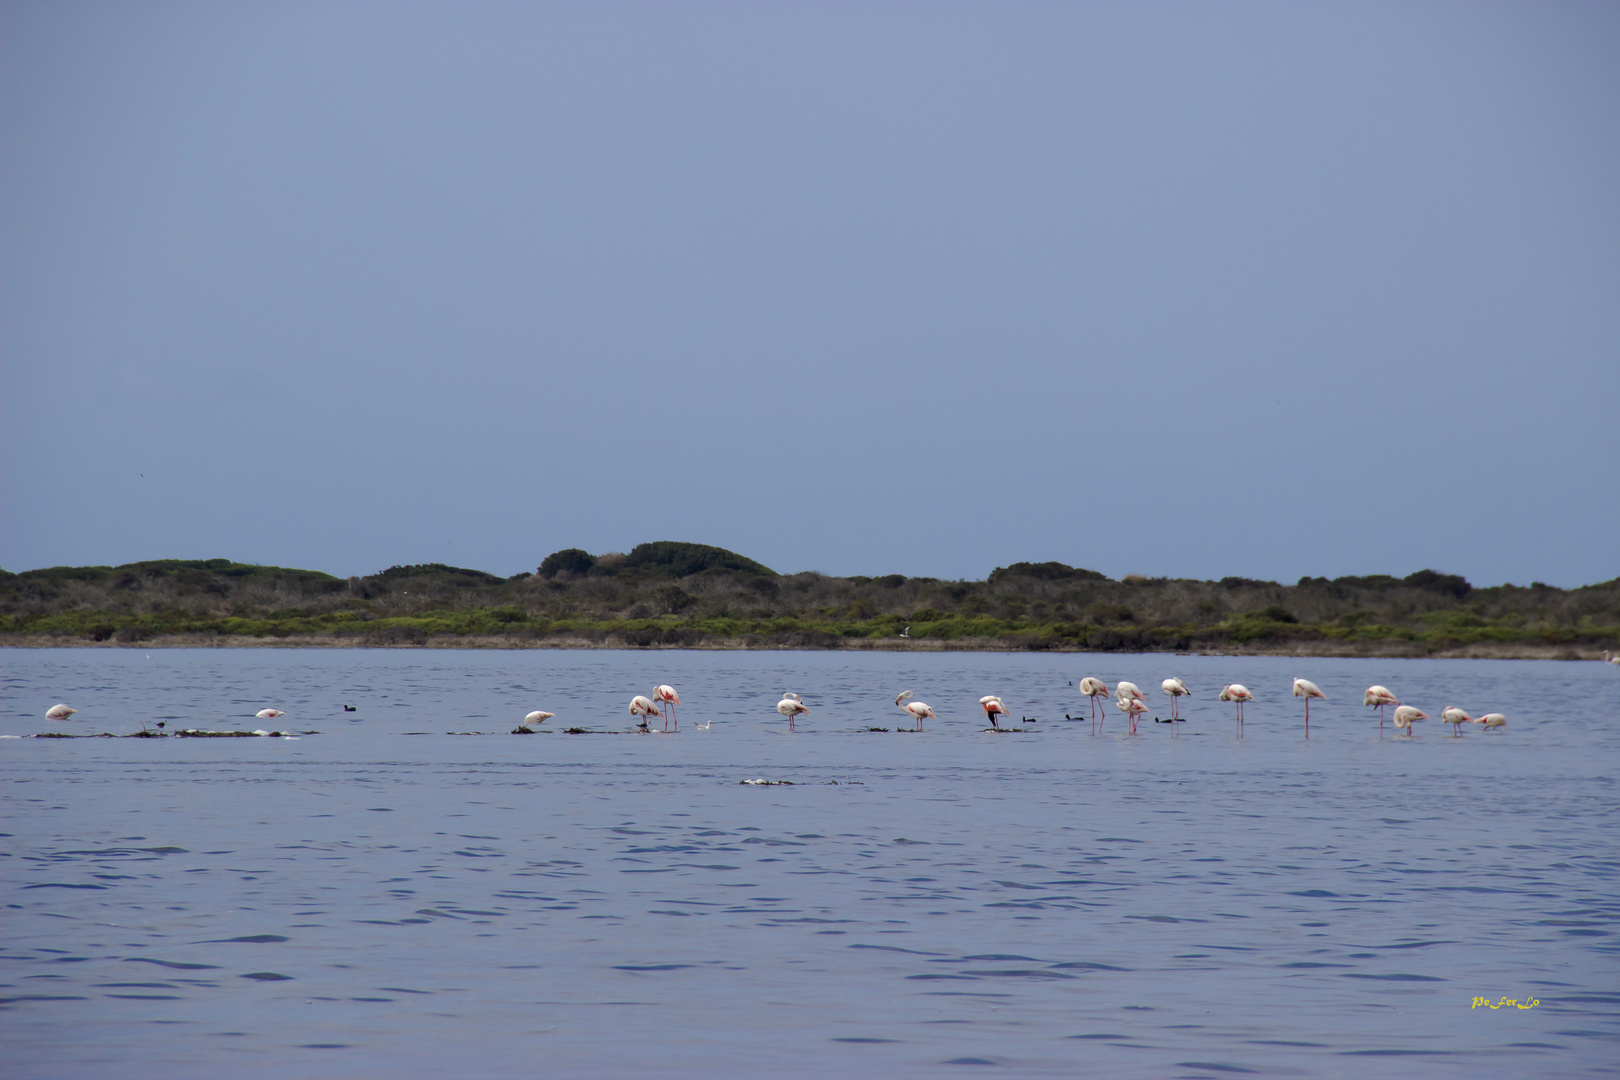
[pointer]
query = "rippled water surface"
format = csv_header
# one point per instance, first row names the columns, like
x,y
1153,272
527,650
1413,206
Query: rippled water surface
x,y
385,898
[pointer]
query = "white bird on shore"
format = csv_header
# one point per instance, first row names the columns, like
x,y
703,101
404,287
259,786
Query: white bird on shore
x,y
1455,717
60,712
536,718
790,706
1406,716
1094,689
666,694
915,709
1239,693
1306,689
644,707
992,708
268,714
1177,690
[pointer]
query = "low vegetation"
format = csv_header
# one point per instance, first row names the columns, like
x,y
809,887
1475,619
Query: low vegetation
x,y
671,594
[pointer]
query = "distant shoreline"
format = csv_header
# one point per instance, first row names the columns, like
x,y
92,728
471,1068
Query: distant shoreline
x,y
1388,649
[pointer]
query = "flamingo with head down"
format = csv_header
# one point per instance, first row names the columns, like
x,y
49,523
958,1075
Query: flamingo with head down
x,y
644,707
1379,696
1094,689
1406,716
1177,690
1132,707
1239,693
915,709
1456,718
1306,689
992,708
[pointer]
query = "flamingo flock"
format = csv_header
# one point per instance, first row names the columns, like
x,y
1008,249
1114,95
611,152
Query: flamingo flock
x,y
1127,697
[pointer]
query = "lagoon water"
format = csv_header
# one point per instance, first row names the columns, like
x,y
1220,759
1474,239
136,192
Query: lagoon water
x,y
385,898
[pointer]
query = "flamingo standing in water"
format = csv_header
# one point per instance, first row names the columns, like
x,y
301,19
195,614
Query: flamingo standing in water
x,y
1131,707
1492,720
60,712
915,708
644,707
1177,690
1094,689
1379,696
790,706
1306,689
1608,659
666,694
1406,716
1455,717
1239,693
992,708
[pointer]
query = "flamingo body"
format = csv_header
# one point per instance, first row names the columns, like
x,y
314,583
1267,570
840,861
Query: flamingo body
x,y
1492,720
1132,707
1378,697
537,718
1306,689
993,708
1406,716
59,712
666,694
1238,693
268,714
1177,690
644,707
1456,718
916,709
790,706
1094,689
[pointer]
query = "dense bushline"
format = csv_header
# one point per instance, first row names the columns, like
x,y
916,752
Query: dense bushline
x,y
693,595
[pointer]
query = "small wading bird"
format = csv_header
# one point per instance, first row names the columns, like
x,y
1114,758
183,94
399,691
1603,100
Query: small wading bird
x,y
666,694
1306,689
1379,696
914,709
1177,690
1491,720
644,707
1406,716
268,714
1239,693
1455,717
790,706
60,712
537,718
992,708
1094,689
1131,707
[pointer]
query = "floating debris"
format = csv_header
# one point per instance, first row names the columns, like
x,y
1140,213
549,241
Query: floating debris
x,y
767,783
877,729
197,733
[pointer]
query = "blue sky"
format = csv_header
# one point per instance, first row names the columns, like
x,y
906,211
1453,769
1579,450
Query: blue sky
x,y
1171,289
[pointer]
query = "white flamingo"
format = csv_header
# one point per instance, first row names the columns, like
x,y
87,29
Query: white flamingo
x,y
1455,717
644,707
1406,716
60,712
1492,720
1131,707
1177,690
790,706
268,714
1608,659
915,709
1378,697
666,694
992,708
1094,689
1306,689
1239,693
536,718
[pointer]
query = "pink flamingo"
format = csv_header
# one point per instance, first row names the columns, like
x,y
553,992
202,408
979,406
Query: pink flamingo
x,y
1455,717
992,708
915,708
1379,696
1094,689
1239,693
1492,720
790,706
60,712
1306,689
666,694
644,707
1131,707
1406,716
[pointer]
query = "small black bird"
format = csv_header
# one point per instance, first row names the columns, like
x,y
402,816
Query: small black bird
x,y
348,708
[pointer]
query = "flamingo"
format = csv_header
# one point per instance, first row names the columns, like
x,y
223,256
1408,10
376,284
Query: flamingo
x,y
1306,689
536,718
1132,707
790,706
60,712
1239,693
992,707
1406,716
644,707
1492,720
1456,718
1177,690
1379,696
1125,691
915,708
668,696
268,714
1608,659
1094,689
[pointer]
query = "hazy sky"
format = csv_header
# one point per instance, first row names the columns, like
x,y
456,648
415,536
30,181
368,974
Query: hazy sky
x,y
1170,289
